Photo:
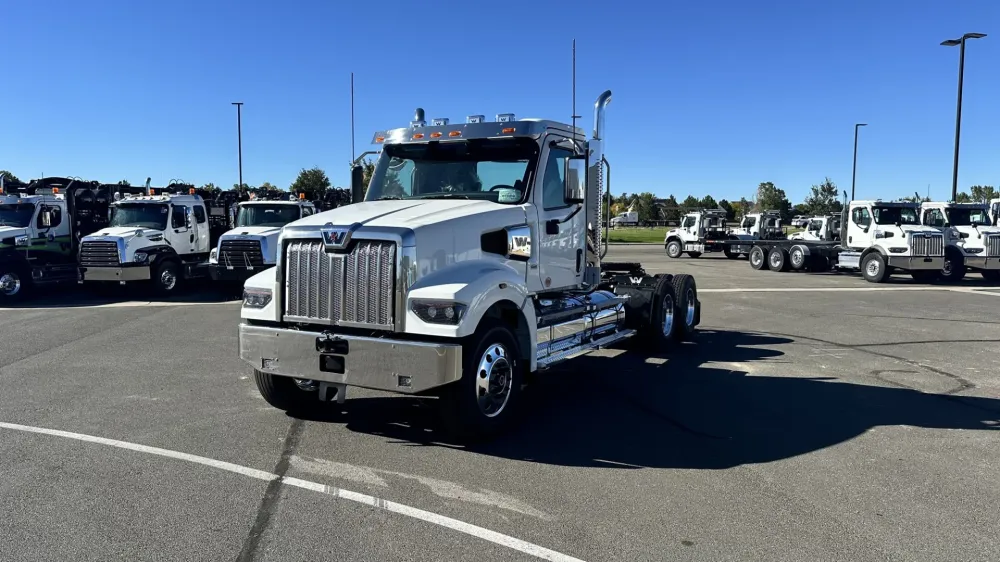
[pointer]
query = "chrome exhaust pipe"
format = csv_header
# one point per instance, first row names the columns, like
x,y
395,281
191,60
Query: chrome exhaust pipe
x,y
602,102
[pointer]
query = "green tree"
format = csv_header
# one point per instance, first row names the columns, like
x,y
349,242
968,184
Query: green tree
x,y
368,170
124,183
771,198
9,177
822,198
708,202
313,182
268,186
963,197
645,205
670,209
691,202
983,193
210,187
728,208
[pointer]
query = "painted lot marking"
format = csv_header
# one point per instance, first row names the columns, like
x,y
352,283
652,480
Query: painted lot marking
x,y
970,290
127,304
364,499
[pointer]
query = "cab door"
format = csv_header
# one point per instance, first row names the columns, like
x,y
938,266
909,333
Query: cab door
x,y
562,225
202,230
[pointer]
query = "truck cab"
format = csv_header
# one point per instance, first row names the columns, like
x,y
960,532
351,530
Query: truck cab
x,y
474,260
251,246
819,229
765,225
163,238
972,242
699,232
884,236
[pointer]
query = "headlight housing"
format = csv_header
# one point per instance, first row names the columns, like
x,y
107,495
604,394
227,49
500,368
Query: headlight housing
x,y
213,256
140,257
435,311
256,298
21,240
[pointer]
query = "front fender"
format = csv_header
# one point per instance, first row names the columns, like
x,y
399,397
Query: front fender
x,y
266,280
478,284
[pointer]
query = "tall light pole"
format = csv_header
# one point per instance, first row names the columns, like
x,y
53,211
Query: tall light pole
x,y
239,138
854,172
958,116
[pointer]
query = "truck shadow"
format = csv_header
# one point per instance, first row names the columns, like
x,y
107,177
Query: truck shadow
x,y
697,407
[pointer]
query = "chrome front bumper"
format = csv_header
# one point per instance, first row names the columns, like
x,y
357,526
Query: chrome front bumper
x,y
982,262
123,274
911,263
381,364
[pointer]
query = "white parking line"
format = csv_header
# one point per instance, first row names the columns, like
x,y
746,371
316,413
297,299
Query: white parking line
x,y
365,499
126,304
973,290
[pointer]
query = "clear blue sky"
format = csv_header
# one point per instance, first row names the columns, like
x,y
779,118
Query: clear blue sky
x,y
710,97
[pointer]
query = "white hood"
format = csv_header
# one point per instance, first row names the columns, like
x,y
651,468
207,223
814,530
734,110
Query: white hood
x,y
127,232
12,232
444,230
263,231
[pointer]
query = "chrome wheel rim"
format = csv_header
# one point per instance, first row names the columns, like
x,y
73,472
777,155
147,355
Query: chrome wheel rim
x,y
168,279
872,268
494,380
10,284
667,322
946,270
756,257
689,296
797,257
775,259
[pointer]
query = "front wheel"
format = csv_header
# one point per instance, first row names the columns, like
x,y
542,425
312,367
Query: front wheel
x,y
686,295
295,396
13,285
674,249
166,278
874,268
485,401
954,268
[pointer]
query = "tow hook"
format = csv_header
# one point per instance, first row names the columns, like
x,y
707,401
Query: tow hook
x,y
331,343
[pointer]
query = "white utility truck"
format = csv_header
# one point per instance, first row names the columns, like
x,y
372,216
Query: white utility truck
x,y
876,237
251,246
700,232
971,240
824,228
164,238
764,225
474,261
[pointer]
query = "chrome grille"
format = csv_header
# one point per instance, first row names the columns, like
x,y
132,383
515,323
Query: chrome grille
x,y
99,254
241,253
993,245
926,245
355,288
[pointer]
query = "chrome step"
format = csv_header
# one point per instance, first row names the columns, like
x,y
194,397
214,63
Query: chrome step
x,y
561,356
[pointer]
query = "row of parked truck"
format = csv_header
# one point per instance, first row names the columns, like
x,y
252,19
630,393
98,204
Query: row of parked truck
x,y
64,230
932,241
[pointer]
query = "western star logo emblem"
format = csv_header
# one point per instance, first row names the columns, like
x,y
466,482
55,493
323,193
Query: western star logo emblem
x,y
336,236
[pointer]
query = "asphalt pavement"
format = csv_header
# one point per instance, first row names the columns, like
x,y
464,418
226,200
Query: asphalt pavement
x,y
815,417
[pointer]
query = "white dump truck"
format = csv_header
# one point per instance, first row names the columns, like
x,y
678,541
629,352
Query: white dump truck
x,y
474,261
251,246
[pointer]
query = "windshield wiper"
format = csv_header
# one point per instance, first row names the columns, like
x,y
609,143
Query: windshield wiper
x,y
445,196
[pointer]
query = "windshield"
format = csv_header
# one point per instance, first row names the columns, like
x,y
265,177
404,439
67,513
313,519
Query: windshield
x,y
968,217
267,215
892,215
17,214
493,170
142,215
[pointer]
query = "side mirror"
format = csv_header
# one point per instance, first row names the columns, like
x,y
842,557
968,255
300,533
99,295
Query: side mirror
x,y
46,218
575,172
357,183
187,217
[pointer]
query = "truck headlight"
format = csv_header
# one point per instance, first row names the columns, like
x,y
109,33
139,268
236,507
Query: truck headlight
x,y
256,298
438,311
213,256
21,241
140,257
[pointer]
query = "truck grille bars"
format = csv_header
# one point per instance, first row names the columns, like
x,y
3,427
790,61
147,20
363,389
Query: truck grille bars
x,y
926,244
241,253
353,289
99,254
993,246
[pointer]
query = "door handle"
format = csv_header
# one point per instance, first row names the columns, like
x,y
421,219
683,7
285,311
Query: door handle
x,y
579,260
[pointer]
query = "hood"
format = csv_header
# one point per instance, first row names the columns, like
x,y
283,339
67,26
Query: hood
x,y
126,232
910,228
445,230
12,231
255,231
984,230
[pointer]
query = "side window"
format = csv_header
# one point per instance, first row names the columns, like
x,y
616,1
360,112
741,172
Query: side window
x,y
306,211
861,217
934,217
688,222
553,185
177,217
199,214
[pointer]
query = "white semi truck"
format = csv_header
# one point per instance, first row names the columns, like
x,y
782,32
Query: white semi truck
x,y
474,261
700,231
161,238
971,240
251,246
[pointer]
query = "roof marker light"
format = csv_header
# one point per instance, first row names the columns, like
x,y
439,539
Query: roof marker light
x,y
475,119
440,121
435,135
508,130
505,117
418,136
455,134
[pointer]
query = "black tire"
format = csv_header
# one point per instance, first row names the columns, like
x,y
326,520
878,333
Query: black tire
x,y
464,412
14,285
686,305
990,274
694,254
874,268
285,394
166,277
777,260
954,267
674,249
660,331
758,258
797,258
924,275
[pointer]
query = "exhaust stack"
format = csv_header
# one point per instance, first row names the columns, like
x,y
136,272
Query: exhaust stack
x,y
602,102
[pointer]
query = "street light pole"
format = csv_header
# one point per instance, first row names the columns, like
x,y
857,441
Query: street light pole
x,y
854,172
239,138
958,114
